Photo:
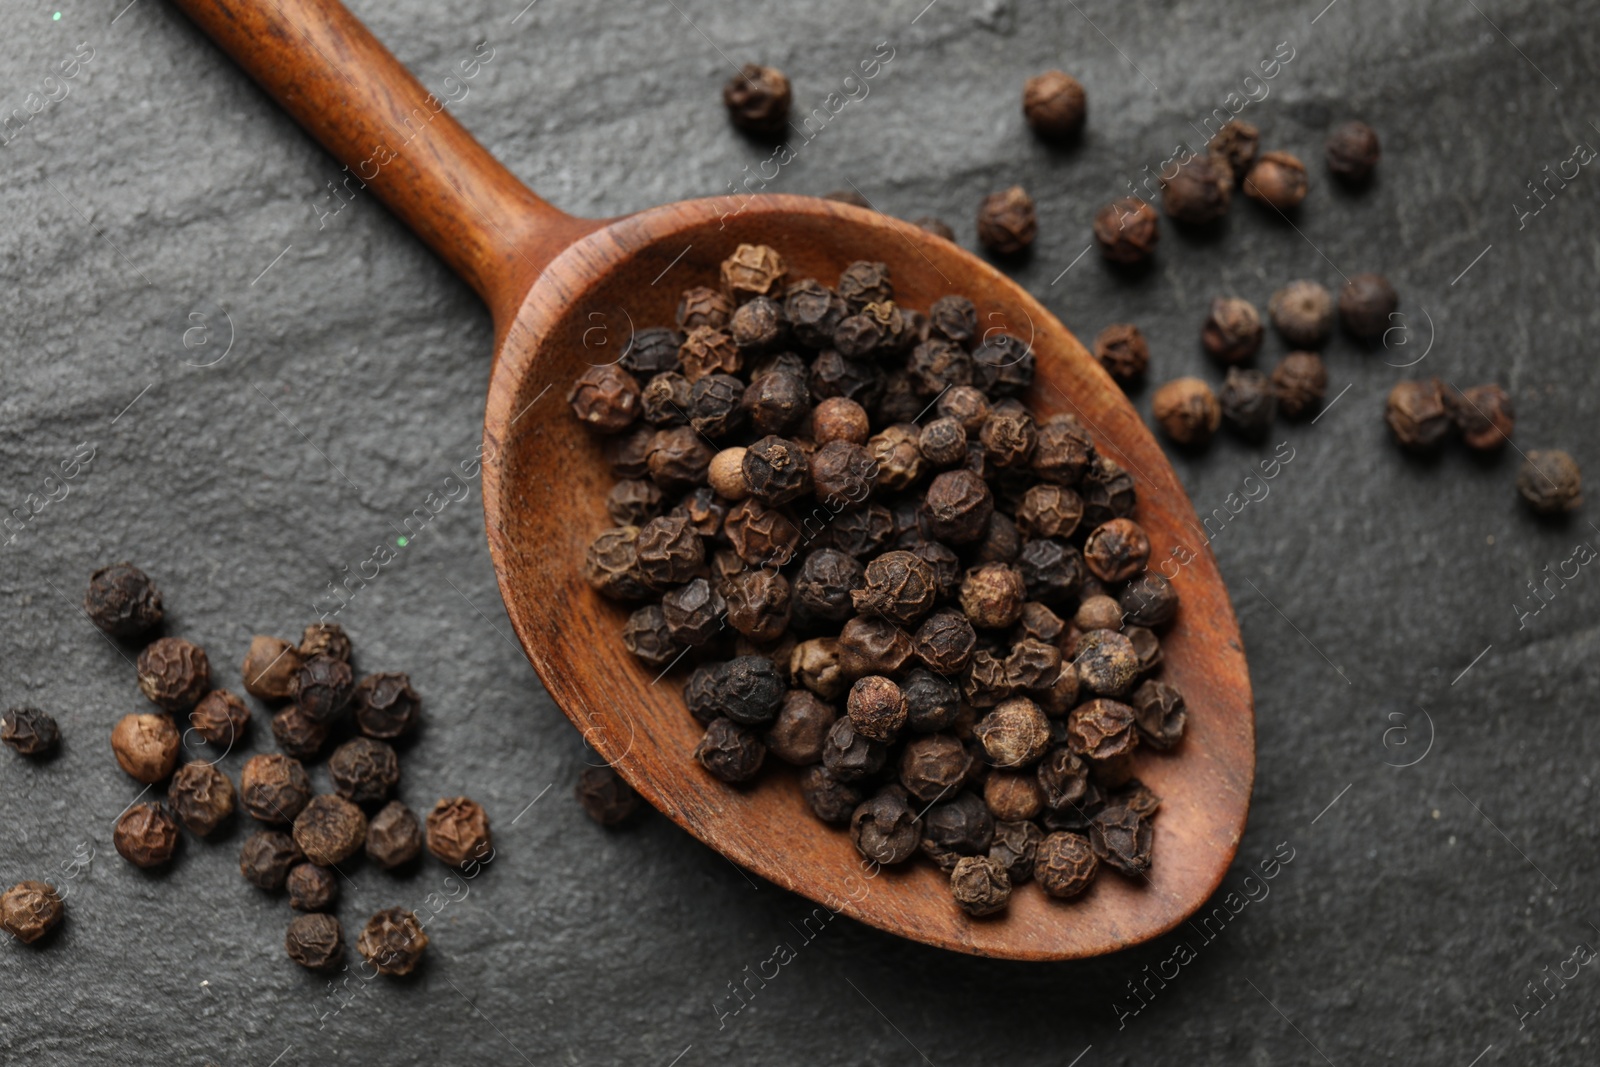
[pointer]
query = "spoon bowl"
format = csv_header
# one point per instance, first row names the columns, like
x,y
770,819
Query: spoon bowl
x,y
569,293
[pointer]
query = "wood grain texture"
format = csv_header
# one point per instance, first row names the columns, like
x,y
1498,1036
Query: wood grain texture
x,y
549,281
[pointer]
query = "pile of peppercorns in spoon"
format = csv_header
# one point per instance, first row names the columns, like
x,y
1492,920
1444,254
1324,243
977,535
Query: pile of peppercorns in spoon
x,y
837,516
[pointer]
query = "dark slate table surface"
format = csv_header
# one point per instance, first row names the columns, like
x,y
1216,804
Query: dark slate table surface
x,y
1381,597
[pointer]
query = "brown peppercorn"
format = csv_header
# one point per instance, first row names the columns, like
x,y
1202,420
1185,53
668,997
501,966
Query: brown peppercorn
x,y
1015,734
980,885
1277,180
959,507
678,458
726,474
669,552
322,687
1352,151
1006,222
967,405
865,282
363,770
815,665
703,306
943,443
1013,796
894,450
822,589
201,796
393,942
1146,646
843,471
605,797
1366,306
1485,415
1009,436
1236,143
986,682
877,708
799,732
1049,511
1101,729
1199,192
651,352
146,746
1148,600
274,788
1187,411
311,888
29,910
752,270
934,767
1416,414
611,565
1098,613
1064,865
1122,840
1039,623
1127,231
758,326
849,755
666,399
647,636
266,858
30,732
394,836
315,941
1015,847
1107,491
839,418
173,673
1032,664
776,402
146,835
269,668
1302,312
220,718
628,454
759,604
958,827
1106,663
1549,480
814,312
717,411
731,752
936,226
900,586
606,398
385,706
1064,451
330,829
1300,381
776,470
1248,403
1054,105
992,596
1232,330
325,638
1063,779
298,734
1122,351
123,601
884,828
760,535
1159,713
945,642
693,613
758,100
706,351
1116,550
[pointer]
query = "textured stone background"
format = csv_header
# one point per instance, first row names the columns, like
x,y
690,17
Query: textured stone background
x,y
1420,901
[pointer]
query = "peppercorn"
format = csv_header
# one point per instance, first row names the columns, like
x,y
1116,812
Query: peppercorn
x,y
1300,381
1127,231
393,942
716,406
173,673
651,352
1199,191
900,586
992,595
986,682
962,826
706,352
611,565
1121,839
843,471
1101,729
628,454
666,399
1277,180
311,888
838,418
1149,600
1549,480
1302,312
330,829
1107,491
800,729
1187,411
325,638
669,552
1007,224
850,755
699,306
936,226
363,770
959,507
123,601
752,270
830,799
269,668
1416,413
266,858
1002,366
201,796
1352,151
220,718
1049,510
1159,713
967,406
1236,143
1013,795
1039,623
1032,664
980,885
776,470
1014,734
814,313
1106,663
1484,414
1232,330
936,365
647,636
934,766
1015,847
1064,865
1366,306
298,734
1122,351
29,910
884,828
758,100
897,458
1063,452
877,708
1054,105
30,732
1146,646
322,687
678,455
1248,403
730,752
758,325
394,837
605,398
1116,550
385,706
1009,436
146,746
1063,779
146,835
758,604
605,797
1137,798
760,535
315,941
815,665
945,642
1098,613
274,788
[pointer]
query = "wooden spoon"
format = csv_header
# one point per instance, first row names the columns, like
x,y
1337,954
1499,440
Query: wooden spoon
x,y
551,281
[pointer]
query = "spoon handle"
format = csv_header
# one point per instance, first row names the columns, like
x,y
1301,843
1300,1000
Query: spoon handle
x,y
396,138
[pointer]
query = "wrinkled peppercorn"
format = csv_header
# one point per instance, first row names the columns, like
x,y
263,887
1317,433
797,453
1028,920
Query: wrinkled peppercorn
x,y
801,728
871,644
393,942
1064,865
1122,351
986,682
758,325
1015,847
936,365
1549,480
966,405
1416,414
385,706
1032,664
1003,366
201,797
1098,613
1187,411
1054,105
934,767
628,454
830,799
269,668
877,708
322,687
760,535
1013,796
776,402
274,788
1106,662
654,351
298,734
731,752
864,282
1199,192
1014,734
716,406
315,941
29,910
605,398
678,456
605,797
1232,331
1007,224
1159,713
898,461
1049,510
394,836
943,443
1366,306
843,471
1063,452
1116,550
945,642
123,601
814,313
752,270
758,100
1484,414
1107,491
330,829
884,828
1300,381
311,888
146,835
959,507
980,885
1302,312
1122,840
325,638
849,755
1236,143
1146,646
363,770
992,595
611,565
666,399
669,552
1277,180
30,732
822,589
1352,151
220,718
648,638
1127,231
700,306
1149,600
693,613
173,673
815,665
758,604
962,826
1248,403
706,352
748,689
146,746
898,585
1051,571
1101,729
1063,779
776,470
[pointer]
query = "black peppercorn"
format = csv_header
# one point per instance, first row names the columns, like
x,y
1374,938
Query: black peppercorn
x,y
1416,413
220,718
146,746
961,825
1248,402
863,531
830,799
800,730
458,832
647,636
731,752
716,407
678,456
758,100
1159,713
326,638
900,586
29,910
385,706
274,788
758,604
298,734
1149,600
842,471
1015,734
1199,192
1106,662
986,682
174,673
311,888
1366,306
1107,491
611,565
1302,312
30,732
605,797
967,406
146,835
849,755
392,941
1232,331
329,830
884,828
123,601
666,399
1003,365
752,270
1122,351
864,282
1121,839
1549,480
266,858
1278,180
959,507
1049,510
1116,550
1032,664
1015,847
1007,224
1187,411
315,941
758,325
700,306
776,470
1484,414
1098,612
1352,151
934,767
363,770
992,595
628,454
980,885
776,402
1127,231
1063,452
1009,437
1051,571
760,535
877,708
814,313
1236,143
605,398
1013,796
1054,105
1101,729
322,687
669,552
1300,382
1064,865
201,797
945,642
394,836
1146,646
1063,779
269,668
